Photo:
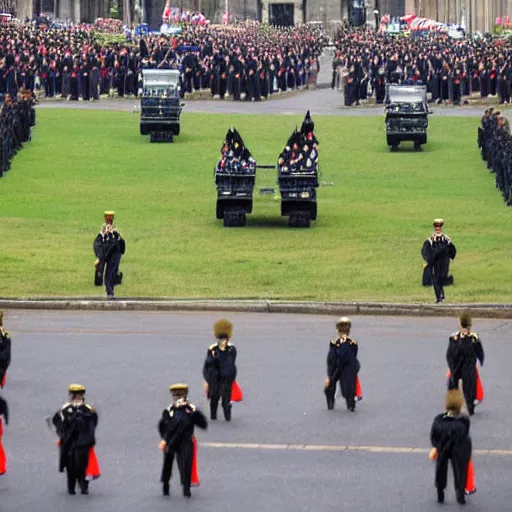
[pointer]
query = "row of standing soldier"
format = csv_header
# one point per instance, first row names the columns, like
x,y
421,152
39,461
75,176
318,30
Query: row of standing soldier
x,y
359,81
17,117
76,421
495,143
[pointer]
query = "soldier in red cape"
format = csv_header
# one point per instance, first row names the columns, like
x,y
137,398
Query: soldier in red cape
x,y
75,424
451,441
343,366
219,369
464,349
5,352
4,411
176,428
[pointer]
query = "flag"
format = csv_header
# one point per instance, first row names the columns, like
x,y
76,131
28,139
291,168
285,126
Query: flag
x,y
92,471
359,390
236,392
194,480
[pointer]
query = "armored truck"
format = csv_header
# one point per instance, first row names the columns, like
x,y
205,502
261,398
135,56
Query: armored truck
x,y
160,105
406,115
235,178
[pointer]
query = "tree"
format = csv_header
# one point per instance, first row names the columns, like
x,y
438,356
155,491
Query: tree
x,y
127,13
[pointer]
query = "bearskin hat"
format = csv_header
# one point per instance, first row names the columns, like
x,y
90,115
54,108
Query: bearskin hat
x,y
454,401
223,329
465,320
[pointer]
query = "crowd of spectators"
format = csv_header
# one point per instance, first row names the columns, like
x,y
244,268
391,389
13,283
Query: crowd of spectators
x,y
365,61
247,61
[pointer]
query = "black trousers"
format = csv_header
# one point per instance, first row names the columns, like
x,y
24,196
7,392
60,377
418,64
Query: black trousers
x,y
111,271
183,453
468,376
460,461
75,468
330,393
221,391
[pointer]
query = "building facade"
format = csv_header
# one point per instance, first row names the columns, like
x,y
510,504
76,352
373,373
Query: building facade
x,y
478,15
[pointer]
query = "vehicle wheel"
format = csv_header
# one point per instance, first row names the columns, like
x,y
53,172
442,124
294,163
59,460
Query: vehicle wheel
x,y
393,148
234,218
417,146
299,219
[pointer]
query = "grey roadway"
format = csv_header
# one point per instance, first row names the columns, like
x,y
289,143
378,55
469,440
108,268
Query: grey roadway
x,y
128,359
319,101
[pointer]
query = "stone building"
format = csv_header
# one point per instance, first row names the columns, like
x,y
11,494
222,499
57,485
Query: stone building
x,y
479,15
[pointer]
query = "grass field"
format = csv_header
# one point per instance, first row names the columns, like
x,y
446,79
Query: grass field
x,y
364,246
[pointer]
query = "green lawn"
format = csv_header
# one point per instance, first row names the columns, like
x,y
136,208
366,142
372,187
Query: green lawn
x,y
364,246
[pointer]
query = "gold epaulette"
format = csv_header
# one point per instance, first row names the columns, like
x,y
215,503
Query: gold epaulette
x,y
3,332
211,347
352,341
475,336
90,407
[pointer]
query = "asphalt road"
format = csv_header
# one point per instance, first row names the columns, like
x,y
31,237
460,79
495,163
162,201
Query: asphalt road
x,y
319,101
283,450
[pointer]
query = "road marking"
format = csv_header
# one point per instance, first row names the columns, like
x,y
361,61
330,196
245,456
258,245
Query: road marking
x,y
338,448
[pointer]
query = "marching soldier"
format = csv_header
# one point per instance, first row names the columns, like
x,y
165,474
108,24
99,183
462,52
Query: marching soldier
x,y
5,352
176,428
342,366
4,411
464,349
219,369
75,424
109,246
437,251
451,441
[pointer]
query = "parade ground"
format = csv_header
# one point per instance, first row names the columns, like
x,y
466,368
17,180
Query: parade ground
x,y
283,450
375,208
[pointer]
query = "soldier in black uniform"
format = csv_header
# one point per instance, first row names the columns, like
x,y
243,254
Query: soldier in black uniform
x,y
219,369
75,424
437,251
109,246
176,428
342,366
5,352
450,438
464,349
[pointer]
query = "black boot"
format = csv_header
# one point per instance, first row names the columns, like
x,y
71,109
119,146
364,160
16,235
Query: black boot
x,y
213,410
84,486
330,403
227,412
166,488
186,492
461,499
440,496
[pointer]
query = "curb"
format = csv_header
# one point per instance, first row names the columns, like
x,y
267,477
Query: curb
x,y
495,311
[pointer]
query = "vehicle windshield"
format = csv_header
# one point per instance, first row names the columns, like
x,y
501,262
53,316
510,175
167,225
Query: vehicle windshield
x,y
407,107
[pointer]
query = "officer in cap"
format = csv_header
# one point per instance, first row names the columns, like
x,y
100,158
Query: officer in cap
x,y
176,428
109,246
437,251
342,366
75,424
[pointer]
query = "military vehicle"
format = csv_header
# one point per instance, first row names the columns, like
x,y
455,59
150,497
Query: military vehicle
x,y
160,105
406,115
235,177
298,176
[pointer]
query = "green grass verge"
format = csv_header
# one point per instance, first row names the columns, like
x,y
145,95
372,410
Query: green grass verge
x,y
365,245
